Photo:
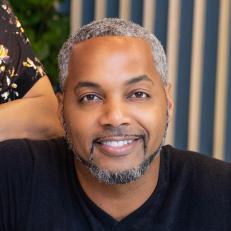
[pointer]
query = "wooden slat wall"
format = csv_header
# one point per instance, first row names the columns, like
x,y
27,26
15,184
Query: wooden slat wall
x,y
125,9
172,56
196,75
76,14
100,9
222,80
148,13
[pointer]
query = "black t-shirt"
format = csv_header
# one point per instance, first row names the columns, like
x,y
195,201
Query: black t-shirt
x,y
19,68
39,190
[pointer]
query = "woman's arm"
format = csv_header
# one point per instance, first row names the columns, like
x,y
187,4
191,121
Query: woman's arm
x,y
28,106
34,116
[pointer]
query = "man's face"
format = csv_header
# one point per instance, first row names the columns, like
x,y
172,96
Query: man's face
x,y
115,105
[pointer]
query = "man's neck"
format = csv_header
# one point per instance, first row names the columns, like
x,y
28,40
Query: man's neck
x,y
119,200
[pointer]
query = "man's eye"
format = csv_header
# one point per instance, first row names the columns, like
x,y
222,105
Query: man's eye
x,y
139,94
89,98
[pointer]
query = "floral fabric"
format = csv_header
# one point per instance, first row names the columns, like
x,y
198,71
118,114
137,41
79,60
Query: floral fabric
x,y
19,68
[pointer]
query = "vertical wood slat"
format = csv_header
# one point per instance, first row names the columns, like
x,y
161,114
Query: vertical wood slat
x,y
196,75
76,15
125,9
149,14
100,9
221,79
172,55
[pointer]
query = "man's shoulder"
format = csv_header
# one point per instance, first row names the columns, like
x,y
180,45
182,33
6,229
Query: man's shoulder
x,y
195,157
19,152
26,144
198,166
32,176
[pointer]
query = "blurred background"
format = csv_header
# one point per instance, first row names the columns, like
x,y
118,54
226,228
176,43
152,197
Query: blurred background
x,y
47,24
196,35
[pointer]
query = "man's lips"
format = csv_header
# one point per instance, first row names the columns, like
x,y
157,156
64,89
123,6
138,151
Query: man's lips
x,y
117,145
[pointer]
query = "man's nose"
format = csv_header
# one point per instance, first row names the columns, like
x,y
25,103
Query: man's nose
x,y
114,114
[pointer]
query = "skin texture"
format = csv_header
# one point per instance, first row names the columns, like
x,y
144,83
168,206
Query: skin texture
x,y
113,92
35,116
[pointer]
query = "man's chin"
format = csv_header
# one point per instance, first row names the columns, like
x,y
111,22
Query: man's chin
x,y
111,177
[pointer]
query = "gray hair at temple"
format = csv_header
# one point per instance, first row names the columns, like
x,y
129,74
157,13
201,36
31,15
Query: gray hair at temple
x,y
112,27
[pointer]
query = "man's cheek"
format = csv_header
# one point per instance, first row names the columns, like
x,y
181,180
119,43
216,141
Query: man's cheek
x,y
81,140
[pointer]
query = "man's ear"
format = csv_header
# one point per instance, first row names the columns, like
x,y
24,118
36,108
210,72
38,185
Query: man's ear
x,y
59,96
170,102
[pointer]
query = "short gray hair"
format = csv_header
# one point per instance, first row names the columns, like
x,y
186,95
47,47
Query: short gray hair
x,y
112,27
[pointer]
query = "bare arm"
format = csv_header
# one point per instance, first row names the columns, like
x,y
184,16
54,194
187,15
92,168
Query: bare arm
x,y
34,116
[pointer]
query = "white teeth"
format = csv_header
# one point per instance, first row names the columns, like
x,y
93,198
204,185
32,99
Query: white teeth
x,y
118,143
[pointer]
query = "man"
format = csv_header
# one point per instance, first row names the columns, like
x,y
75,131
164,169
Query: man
x,y
117,175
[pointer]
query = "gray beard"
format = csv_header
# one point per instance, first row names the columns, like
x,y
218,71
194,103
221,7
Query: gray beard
x,y
115,177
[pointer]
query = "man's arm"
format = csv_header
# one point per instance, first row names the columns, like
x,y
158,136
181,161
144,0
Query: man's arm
x,y
34,116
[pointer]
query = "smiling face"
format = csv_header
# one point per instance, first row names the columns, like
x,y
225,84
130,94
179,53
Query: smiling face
x,y
115,106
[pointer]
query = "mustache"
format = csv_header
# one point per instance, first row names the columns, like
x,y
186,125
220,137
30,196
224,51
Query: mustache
x,y
120,132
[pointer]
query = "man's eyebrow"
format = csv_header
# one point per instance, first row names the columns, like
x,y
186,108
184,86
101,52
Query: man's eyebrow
x,y
138,79
86,84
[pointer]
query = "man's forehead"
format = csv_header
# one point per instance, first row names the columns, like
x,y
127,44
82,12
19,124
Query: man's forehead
x,y
113,52
107,55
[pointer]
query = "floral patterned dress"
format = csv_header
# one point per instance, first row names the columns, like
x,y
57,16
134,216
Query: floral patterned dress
x,y
19,68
